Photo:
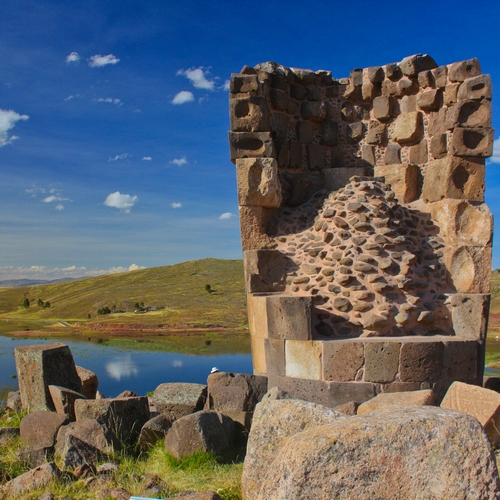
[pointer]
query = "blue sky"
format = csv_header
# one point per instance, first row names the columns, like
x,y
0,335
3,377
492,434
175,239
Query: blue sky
x,y
113,129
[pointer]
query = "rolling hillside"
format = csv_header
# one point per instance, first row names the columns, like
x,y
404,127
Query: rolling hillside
x,y
179,290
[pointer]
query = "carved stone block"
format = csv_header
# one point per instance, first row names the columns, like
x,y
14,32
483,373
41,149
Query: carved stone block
x,y
403,178
249,114
408,127
251,145
303,359
472,142
258,182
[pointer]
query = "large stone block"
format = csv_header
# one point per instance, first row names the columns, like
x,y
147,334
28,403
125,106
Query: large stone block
x,y
342,360
392,154
179,399
440,76
316,391
469,268
316,159
381,361
430,100
303,359
40,366
412,65
281,101
336,178
453,177
314,110
398,399
258,183
249,114
377,132
89,381
344,392
64,401
418,153
472,142
403,178
243,83
421,361
462,222
258,347
275,356
478,87
481,403
408,127
469,314
461,360
264,270
330,133
255,224
460,71
39,428
251,145
439,146
471,114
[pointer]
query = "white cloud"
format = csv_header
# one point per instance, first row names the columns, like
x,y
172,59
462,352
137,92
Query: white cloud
x,y
98,61
147,158
176,205
33,192
226,85
124,202
59,207
182,97
111,100
54,197
226,216
180,161
123,156
8,119
496,152
198,77
71,97
135,267
73,57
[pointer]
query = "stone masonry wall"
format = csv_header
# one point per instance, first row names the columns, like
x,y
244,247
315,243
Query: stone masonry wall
x,y
362,215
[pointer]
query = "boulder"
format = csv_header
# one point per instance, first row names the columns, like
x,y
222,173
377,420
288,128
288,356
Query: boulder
x,y
274,422
123,416
64,401
235,391
154,430
393,453
40,428
35,478
36,455
409,398
77,453
89,431
40,366
204,430
89,382
179,399
14,401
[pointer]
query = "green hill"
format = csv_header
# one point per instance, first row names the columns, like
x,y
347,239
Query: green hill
x,y
179,292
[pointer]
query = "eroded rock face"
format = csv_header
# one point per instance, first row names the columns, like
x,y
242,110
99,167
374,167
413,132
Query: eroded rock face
x,y
394,453
373,266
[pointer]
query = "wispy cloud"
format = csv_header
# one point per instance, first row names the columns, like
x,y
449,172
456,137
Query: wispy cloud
x,y
496,152
198,77
71,97
226,85
123,156
73,57
182,97
123,202
111,100
8,120
59,207
147,158
180,161
54,197
226,216
35,191
176,205
98,61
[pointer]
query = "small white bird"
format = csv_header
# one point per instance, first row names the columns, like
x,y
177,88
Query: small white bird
x,y
214,370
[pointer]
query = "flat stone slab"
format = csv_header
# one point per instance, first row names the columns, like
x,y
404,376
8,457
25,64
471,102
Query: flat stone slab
x,y
179,399
399,399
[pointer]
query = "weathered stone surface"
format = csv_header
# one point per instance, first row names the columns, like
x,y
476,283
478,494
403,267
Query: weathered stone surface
x,y
403,178
478,87
89,431
335,178
316,156
381,361
258,182
399,399
14,401
77,453
374,74
469,313
301,188
330,133
40,366
348,408
407,127
368,154
439,146
154,430
204,430
461,360
472,142
481,403
418,153
264,269
430,100
40,428
89,381
343,459
377,132
124,416
440,76
235,391
64,401
243,83
453,177
460,71
412,65
355,132
251,145
303,359
421,361
254,223
450,93
342,360
249,114
273,423
392,154
179,399
469,114
35,478
315,110
426,79
461,222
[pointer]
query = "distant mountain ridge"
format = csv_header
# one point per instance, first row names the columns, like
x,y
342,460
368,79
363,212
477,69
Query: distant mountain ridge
x,y
28,282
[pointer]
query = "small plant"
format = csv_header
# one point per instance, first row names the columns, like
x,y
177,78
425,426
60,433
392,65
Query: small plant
x,y
26,303
208,288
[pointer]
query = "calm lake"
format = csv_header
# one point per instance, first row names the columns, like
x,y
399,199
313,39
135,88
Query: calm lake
x,y
137,366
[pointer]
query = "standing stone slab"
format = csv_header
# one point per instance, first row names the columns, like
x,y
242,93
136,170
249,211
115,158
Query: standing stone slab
x,y
89,381
179,399
40,366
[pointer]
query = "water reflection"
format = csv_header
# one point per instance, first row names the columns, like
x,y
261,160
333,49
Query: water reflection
x,y
121,367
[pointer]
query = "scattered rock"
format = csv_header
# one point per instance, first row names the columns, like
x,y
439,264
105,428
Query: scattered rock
x,y
35,478
399,399
40,428
179,399
89,381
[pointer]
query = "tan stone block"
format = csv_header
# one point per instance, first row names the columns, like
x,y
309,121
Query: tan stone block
x,y
408,104
369,91
254,225
440,76
430,100
303,359
408,127
478,87
368,154
462,222
264,270
390,88
377,132
382,107
437,122
439,146
258,355
469,268
289,317
392,154
412,65
460,71
472,142
453,177
249,114
403,178
374,74
336,178
342,360
258,182
251,145
243,83
469,114
421,361
275,356
257,315
418,153
450,93
461,360
426,79
381,361
400,387
469,314
481,403
414,398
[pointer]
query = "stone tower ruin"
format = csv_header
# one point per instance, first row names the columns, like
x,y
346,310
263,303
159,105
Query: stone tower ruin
x,y
366,239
